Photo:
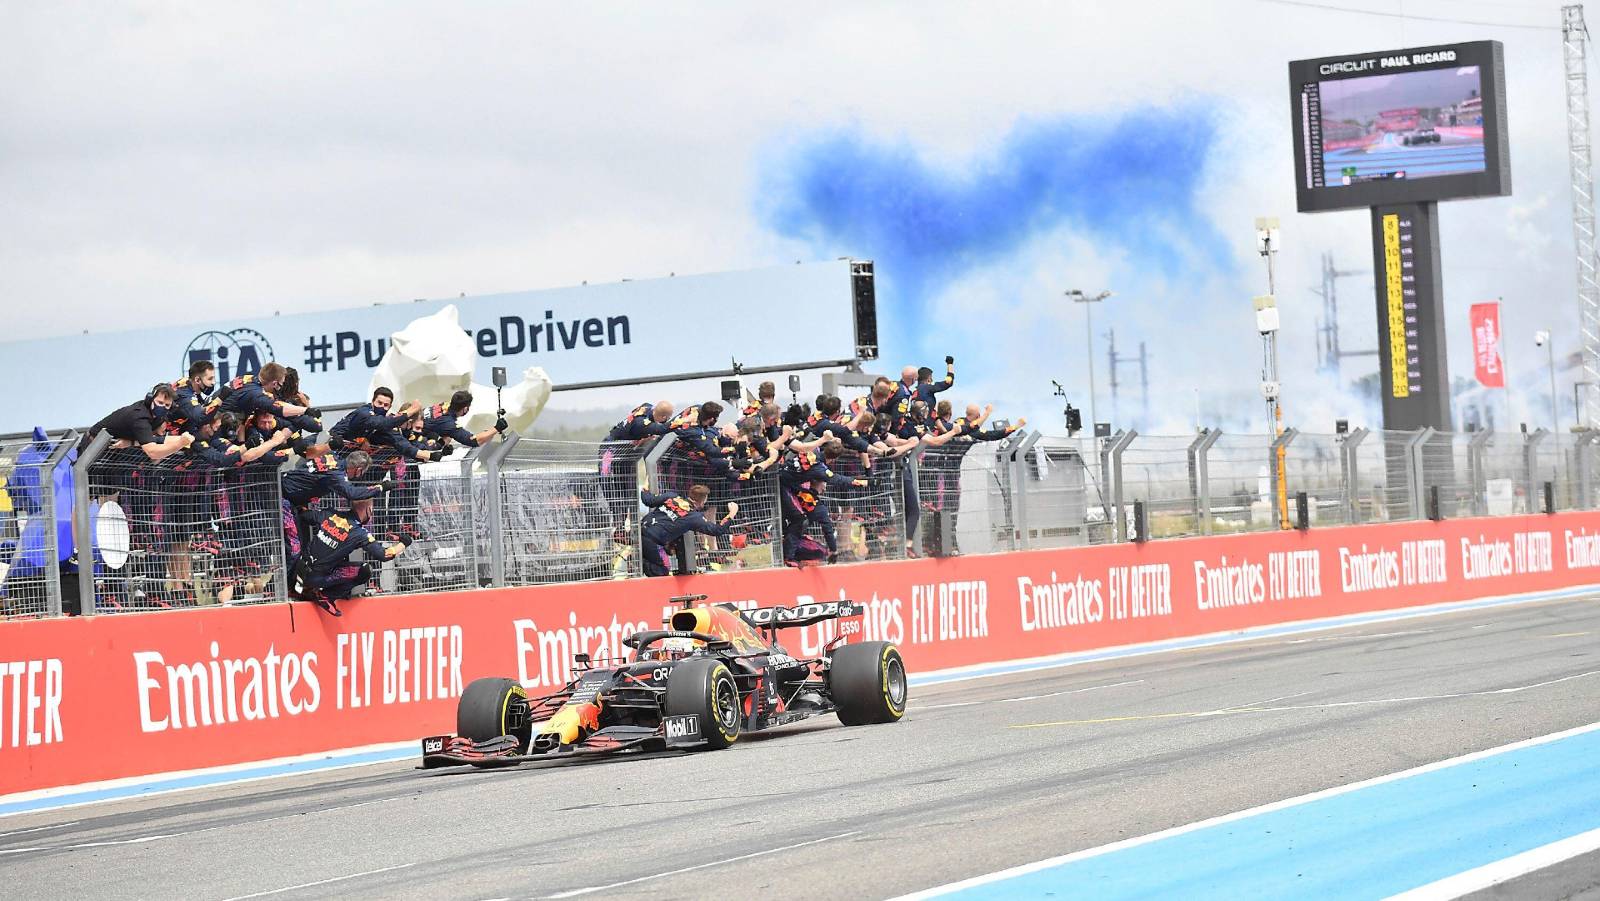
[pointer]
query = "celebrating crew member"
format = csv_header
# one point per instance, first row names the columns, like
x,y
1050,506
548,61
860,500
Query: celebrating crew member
x,y
969,427
645,421
136,425
195,397
260,430
439,421
696,428
324,573
767,393
670,518
926,387
795,476
319,476
250,394
369,426
799,548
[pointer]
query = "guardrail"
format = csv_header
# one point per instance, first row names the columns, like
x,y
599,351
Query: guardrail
x,y
519,512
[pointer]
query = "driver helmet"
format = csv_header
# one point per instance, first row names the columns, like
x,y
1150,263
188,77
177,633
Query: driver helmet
x,y
674,648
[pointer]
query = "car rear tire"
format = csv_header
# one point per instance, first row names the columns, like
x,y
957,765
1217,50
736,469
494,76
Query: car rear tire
x,y
703,687
485,710
868,683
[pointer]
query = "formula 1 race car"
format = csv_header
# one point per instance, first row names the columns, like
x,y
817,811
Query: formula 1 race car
x,y
714,673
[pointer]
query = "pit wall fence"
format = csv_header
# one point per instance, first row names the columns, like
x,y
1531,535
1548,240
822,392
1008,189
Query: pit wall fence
x,y
527,512
87,699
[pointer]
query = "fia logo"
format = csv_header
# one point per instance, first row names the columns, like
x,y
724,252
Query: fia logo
x,y
242,351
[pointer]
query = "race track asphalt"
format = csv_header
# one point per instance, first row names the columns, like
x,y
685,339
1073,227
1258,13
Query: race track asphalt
x,y
981,775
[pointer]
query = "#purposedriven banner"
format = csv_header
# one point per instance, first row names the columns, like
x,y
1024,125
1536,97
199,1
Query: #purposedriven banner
x,y
590,333
95,698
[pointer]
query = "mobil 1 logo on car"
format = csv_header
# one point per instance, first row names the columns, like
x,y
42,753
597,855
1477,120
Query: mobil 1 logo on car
x,y
686,726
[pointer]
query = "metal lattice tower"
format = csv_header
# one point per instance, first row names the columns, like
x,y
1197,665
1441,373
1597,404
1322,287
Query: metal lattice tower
x,y
1574,46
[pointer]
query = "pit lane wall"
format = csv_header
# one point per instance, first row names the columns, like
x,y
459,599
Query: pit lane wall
x,y
90,699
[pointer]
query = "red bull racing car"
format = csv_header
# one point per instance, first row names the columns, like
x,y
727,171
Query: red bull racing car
x,y
714,673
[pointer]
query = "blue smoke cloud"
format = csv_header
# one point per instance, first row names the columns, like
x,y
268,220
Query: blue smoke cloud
x,y
1129,182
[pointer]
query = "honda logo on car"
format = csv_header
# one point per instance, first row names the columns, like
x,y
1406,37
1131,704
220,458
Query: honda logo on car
x,y
686,726
763,616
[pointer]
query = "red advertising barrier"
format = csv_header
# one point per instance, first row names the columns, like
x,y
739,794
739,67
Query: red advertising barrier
x,y
94,698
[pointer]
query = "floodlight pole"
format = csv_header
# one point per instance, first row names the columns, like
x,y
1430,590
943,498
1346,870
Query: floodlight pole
x,y
1077,296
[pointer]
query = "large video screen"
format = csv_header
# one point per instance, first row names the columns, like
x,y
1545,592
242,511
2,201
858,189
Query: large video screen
x,y
1400,126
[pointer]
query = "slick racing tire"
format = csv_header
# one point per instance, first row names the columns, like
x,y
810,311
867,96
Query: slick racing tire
x,y
704,687
868,683
486,710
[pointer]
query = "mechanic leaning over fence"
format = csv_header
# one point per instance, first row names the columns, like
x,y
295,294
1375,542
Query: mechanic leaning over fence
x,y
672,516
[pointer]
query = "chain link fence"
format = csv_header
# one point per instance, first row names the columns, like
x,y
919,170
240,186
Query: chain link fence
x,y
872,522
177,533
755,538
569,512
183,533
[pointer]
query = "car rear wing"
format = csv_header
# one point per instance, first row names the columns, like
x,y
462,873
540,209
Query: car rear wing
x,y
803,615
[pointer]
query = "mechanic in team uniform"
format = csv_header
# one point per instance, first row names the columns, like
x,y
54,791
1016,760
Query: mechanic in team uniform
x,y
798,481
671,517
137,425
645,421
402,508
366,427
325,573
440,422
696,428
916,383
260,429
196,396
248,395
766,394
319,476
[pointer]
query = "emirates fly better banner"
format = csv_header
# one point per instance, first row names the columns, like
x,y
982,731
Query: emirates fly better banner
x,y
94,698
1486,360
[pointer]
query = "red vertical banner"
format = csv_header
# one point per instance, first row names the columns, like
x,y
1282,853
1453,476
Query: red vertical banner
x,y
1486,360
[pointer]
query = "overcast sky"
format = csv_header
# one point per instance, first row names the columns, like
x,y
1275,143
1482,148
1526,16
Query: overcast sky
x,y
190,162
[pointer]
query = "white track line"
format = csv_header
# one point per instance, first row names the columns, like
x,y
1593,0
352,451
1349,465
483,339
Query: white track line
x,y
1500,871
1328,705
290,888
699,866
39,829
1053,694
1362,635
1286,803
